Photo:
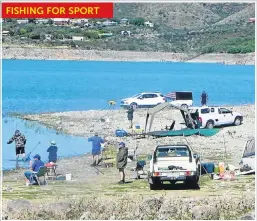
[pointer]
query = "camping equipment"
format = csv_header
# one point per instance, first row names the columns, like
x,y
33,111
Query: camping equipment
x,y
209,168
221,167
216,168
121,133
41,173
248,156
184,132
153,111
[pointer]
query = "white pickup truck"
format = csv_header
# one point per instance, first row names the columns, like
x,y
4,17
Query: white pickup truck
x,y
209,117
173,163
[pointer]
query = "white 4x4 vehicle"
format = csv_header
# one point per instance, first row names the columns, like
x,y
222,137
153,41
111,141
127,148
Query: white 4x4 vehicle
x,y
145,99
173,163
210,117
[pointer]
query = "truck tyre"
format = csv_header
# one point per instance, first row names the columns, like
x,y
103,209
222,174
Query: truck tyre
x,y
209,124
153,186
237,121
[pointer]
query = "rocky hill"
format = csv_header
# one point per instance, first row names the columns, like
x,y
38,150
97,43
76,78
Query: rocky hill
x,y
175,27
187,15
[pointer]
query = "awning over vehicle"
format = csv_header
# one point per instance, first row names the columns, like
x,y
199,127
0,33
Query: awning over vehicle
x,y
153,111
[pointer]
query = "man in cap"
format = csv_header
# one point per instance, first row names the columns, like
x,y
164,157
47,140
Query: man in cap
x,y
35,168
96,148
52,156
20,142
204,98
121,159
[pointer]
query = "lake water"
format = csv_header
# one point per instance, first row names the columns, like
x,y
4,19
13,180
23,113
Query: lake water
x,y
35,86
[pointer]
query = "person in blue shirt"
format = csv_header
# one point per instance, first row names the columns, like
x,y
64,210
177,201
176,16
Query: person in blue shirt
x,y
35,168
52,157
96,148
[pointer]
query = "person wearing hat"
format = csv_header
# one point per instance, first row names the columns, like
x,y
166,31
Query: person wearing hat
x,y
52,156
121,159
20,142
96,148
35,168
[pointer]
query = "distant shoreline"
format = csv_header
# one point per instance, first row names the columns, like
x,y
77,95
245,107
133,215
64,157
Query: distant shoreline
x,y
36,53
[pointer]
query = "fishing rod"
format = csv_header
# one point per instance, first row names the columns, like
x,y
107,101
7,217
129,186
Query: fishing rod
x,y
28,156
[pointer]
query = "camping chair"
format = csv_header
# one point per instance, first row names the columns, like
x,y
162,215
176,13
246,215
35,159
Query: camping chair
x,y
51,171
137,130
41,172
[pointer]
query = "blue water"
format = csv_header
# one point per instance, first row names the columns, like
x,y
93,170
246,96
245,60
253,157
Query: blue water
x,y
67,145
34,86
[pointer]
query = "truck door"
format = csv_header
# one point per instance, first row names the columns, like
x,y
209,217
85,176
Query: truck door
x,y
225,116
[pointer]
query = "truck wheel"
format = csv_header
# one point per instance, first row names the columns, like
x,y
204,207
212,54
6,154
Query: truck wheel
x,y
191,184
209,124
153,186
237,121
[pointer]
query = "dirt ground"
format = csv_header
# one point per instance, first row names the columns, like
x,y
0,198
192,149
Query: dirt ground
x,y
95,195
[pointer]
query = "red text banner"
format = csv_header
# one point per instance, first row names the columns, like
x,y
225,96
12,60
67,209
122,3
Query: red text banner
x,y
57,10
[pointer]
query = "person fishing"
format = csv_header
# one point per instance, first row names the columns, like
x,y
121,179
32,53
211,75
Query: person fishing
x,y
20,142
35,166
204,98
52,150
130,113
121,159
96,148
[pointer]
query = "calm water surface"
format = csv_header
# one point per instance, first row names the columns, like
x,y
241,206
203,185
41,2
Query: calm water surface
x,y
35,86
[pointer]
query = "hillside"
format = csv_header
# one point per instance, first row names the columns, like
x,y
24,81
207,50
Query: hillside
x,y
168,27
186,15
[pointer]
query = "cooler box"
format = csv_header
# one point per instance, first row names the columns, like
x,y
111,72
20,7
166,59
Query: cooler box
x,y
209,167
121,133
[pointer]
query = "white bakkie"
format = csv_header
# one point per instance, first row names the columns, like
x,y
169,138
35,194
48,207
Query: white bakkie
x,y
210,117
173,163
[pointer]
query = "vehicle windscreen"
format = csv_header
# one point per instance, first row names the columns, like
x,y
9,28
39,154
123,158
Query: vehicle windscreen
x,y
136,95
184,96
172,152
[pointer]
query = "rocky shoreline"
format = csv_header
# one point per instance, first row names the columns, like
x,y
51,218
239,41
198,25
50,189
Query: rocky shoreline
x,y
36,53
94,195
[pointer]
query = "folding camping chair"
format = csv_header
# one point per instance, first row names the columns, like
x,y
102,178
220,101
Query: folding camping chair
x,y
41,173
51,171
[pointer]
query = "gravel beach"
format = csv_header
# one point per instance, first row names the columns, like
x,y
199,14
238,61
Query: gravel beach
x,y
96,195
34,53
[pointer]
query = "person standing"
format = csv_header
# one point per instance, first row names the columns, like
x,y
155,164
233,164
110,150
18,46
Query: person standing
x,y
130,113
204,98
122,157
96,148
52,156
35,168
20,142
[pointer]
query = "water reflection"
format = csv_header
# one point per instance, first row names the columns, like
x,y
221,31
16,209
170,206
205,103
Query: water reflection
x,y
40,137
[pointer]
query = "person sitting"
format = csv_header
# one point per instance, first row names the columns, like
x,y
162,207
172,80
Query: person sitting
x,y
35,168
52,157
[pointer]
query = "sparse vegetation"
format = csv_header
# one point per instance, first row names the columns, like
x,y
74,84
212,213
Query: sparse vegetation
x,y
198,31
